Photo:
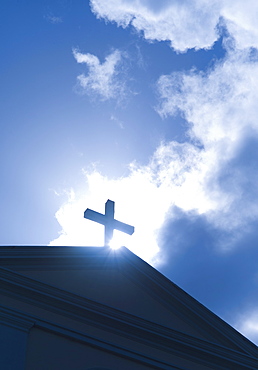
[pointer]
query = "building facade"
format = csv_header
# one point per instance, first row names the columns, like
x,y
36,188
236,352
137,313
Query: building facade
x,y
95,308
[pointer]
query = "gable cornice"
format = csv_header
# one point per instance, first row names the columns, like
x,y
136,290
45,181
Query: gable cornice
x,y
183,305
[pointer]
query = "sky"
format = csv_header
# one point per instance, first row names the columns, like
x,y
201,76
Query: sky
x,y
152,105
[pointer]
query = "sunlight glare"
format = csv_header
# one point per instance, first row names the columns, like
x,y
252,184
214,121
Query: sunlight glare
x,y
143,199
113,244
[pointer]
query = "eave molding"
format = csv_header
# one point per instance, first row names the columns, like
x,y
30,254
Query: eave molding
x,y
15,320
89,340
159,287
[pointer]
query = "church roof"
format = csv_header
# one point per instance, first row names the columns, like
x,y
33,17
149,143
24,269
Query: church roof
x,y
118,292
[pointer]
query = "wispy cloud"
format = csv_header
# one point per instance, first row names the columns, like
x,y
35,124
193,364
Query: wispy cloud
x,y
117,121
53,19
103,79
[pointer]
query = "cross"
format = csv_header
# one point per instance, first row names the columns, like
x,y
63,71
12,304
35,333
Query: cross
x,y
108,221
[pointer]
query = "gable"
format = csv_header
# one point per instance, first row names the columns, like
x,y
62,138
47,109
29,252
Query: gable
x,y
122,281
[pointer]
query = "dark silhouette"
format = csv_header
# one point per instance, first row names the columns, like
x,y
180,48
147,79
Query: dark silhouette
x,y
108,221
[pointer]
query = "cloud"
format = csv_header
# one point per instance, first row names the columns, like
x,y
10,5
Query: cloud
x,y
54,19
241,21
138,202
213,175
185,24
211,178
117,121
144,199
102,79
220,107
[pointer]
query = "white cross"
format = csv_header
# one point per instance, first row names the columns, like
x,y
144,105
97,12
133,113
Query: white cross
x,y
108,221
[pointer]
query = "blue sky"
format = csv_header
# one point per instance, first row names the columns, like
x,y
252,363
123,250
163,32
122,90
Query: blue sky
x,y
150,104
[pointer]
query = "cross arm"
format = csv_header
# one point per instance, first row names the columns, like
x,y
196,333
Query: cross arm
x,y
128,229
95,216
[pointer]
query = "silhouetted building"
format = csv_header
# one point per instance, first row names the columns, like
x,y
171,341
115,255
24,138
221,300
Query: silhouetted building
x,y
95,308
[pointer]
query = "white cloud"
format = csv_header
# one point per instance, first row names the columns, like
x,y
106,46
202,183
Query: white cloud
x,y
102,79
208,175
221,109
138,202
219,104
211,174
172,177
241,21
186,24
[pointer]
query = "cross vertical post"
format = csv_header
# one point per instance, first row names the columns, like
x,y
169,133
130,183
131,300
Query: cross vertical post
x,y
109,213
